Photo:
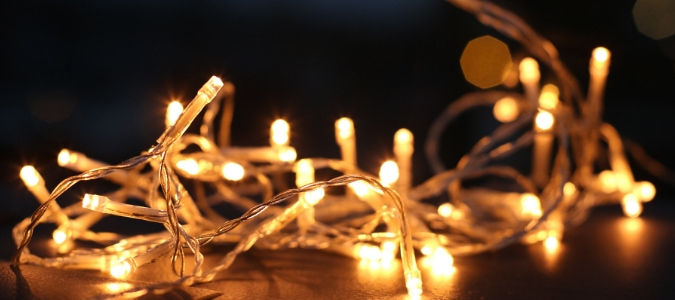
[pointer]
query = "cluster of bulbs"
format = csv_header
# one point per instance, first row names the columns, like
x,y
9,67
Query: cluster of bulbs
x,y
374,219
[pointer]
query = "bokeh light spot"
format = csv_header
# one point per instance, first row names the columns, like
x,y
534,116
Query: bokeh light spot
x,y
485,62
655,18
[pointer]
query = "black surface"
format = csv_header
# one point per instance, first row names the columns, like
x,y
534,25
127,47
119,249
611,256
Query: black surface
x,y
607,257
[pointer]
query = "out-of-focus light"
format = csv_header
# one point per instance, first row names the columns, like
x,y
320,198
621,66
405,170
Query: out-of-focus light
x,y
655,18
529,70
280,132
531,207
644,190
30,176
288,155
360,188
368,252
485,62
173,111
569,189
313,196
345,127
448,210
233,171
189,165
600,58
607,181
549,97
60,236
121,269
551,243
389,173
506,110
544,120
632,207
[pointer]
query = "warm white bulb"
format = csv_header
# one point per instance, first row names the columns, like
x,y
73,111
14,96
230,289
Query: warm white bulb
x,y
506,110
345,127
280,132
30,176
314,196
60,236
600,58
288,155
173,111
531,207
389,173
65,157
189,166
360,188
529,70
645,191
233,171
544,120
632,207
549,97
551,243
368,252
121,269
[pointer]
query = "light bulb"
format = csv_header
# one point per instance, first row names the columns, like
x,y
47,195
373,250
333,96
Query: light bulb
x,y
314,196
280,133
60,236
233,171
288,154
531,207
345,127
189,166
389,173
544,120
360,188
551,243
121,269
30,176
607,181
506,110
645,191
600,58
632,207
65,157
368,252
569,189
529,70
173,111
549,97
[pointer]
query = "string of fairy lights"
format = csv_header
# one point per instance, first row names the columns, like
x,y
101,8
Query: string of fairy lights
x,y
182,178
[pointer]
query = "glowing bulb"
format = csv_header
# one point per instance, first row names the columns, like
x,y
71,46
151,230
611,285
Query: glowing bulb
x,y
645,190
30,176
442,258
314,196
551,243
544,120
173,111
122,268
414,286
345,127
280,133
304,172
600,58
549,97
233,171
389,173
448,210
529,70
189,165
60,236
368,252
569,189
403,135
288,155
607,181
65,157
388,251
506,110
360,188
94,202
531,207
632,207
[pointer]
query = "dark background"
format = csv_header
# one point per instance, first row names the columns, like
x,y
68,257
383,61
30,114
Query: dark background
x,y
95,76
